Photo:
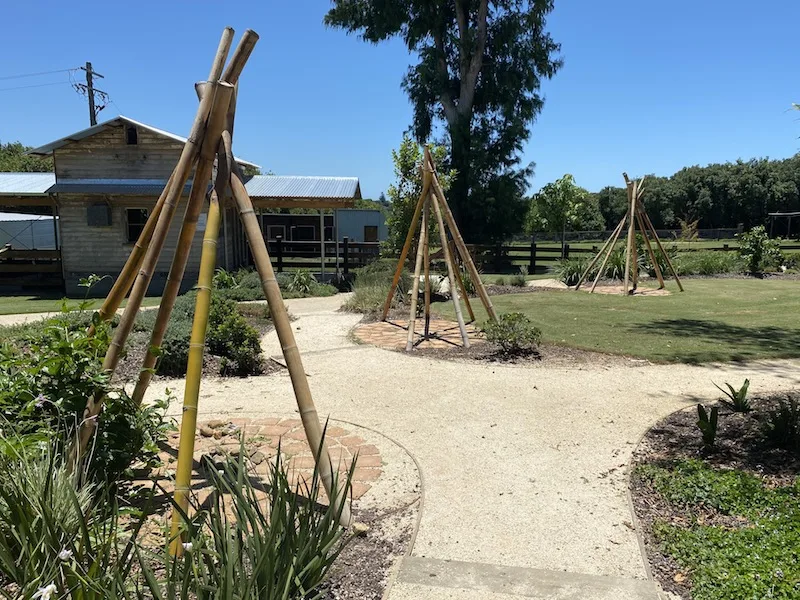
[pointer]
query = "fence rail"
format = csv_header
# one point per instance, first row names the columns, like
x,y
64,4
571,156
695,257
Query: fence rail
x,y
345,255
30,267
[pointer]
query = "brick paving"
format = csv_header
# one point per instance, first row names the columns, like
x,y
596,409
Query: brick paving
x,y
394,334
219,437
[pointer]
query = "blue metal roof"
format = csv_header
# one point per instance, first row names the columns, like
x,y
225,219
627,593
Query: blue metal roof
x,y
26,184
275,187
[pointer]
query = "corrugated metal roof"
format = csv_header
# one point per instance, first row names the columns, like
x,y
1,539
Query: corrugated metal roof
x,y
259,186
26,184
281,186
89,131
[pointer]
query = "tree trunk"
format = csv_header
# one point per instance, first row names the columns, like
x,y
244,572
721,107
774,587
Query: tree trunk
x,y
458,196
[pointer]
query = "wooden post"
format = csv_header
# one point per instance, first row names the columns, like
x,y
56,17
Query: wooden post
x,y
631,187
451,275
462,290
532,260
294,363
223,93
425,233
279,252
566,251
415,291
649,223
398,272
613,239
182,171
459,241
194,371
650,252
588,270
345,255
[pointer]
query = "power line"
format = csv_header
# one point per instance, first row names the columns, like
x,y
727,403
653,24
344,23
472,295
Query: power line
x,y
37,74
25,87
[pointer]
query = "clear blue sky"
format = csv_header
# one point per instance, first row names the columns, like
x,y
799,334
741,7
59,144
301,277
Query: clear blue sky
x,y
646,86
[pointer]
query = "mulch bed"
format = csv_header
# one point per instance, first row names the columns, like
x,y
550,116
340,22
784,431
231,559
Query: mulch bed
x,y
739,445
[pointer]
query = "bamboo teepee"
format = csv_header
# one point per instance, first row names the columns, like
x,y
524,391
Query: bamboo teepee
x,y
635,216
210,139
432,196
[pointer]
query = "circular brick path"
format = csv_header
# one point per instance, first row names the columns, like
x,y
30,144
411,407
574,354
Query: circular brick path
x,y
217,438
394,334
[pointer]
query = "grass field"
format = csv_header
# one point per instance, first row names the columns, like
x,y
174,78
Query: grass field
x,y
11,305
713,320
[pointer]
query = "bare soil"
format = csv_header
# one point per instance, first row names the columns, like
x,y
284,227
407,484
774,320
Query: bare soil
x,y
739,445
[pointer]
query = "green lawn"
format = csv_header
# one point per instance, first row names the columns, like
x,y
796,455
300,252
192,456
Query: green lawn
x,y
11,305
713,320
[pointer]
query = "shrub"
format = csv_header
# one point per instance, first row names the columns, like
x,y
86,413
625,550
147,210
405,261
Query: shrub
x,y
570,270
371,287
302,282
737,399
233,338
782,428
466,280
708,263
708,424
514,333
758,250
519,279
224,280
500,281
44,386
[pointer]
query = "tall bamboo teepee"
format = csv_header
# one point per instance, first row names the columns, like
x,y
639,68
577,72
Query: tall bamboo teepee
x,y
210,139
635,216
432,199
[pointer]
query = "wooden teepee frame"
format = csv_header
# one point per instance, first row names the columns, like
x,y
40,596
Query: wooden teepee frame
x,y
432,196
635,216
210,139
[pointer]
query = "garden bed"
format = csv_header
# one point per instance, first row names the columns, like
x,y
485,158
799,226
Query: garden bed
x,y
719,522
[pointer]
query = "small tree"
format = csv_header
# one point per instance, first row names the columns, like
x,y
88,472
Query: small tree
x,y
758,250
561,205
405,191
14,159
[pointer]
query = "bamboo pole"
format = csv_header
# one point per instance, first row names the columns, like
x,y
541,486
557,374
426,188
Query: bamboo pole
x,y
294,363
459,241
398,272
216,123
240,57
182,171
631,187
649,246
194,371
415,291
588,270
450,274
608,255
124,281
462,290
649,223
427,263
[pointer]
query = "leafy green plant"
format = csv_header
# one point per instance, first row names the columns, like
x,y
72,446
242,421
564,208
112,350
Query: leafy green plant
x,y
707,424
737,399
231,337
513,333
224,280
302,282
519,279
500,281
570,270
371,286
466,280
758,250
782,427
708,262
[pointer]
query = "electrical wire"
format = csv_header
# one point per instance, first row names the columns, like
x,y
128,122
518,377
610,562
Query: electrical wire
x,y
37,74
25,87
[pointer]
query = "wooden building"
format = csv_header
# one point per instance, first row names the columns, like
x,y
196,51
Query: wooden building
x,y
107,179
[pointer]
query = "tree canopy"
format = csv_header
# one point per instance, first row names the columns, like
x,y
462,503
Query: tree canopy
x,y
480,69
718,195
563,205
13,159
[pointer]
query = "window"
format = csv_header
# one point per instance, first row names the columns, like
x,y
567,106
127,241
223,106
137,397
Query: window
x,y
370,233
304,233
131,135
273,231
136,218
98,215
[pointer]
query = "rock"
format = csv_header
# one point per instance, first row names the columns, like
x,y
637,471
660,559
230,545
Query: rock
x,y
360,529
217,434
216,423
234,451
206,431
257,457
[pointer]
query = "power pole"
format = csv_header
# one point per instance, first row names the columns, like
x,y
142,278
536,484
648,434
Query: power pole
x,y
90,91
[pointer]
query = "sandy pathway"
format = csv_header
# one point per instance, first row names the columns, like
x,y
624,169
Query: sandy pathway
x,y
522,467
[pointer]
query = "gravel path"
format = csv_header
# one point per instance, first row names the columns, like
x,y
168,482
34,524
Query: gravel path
x,y
521,467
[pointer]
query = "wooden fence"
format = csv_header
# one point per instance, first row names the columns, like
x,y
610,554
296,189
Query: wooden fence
x,y
30,267
345,255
